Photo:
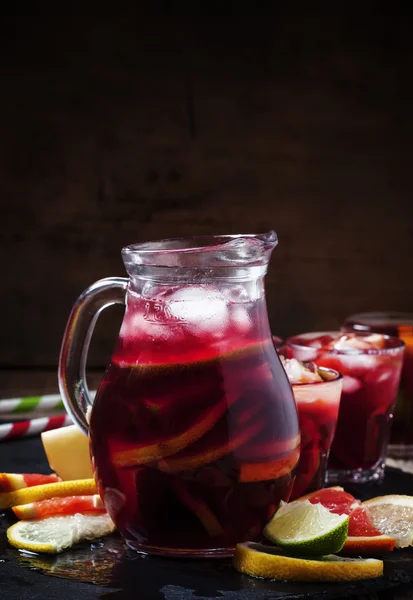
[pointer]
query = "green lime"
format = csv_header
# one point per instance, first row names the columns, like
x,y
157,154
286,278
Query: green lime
x,y
306,529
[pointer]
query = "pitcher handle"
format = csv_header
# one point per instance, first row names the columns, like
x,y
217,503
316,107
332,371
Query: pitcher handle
x,y
76,340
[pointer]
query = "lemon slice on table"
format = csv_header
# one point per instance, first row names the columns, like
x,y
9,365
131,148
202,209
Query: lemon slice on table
x,y
58,533
307,529
35,493
393,515
272,563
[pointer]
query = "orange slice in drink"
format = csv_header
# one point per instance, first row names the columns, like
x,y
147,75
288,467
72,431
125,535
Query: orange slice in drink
x,y
264,471
175,464
406,334
9,482
52,507
142,454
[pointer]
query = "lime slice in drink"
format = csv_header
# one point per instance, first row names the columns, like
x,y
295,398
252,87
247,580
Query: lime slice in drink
x,y
307,529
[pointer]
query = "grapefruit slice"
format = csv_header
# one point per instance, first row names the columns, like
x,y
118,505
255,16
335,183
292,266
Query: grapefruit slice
x,y
363,538
53,507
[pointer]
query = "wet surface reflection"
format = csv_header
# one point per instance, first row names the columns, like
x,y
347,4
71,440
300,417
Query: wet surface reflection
x,y
111,564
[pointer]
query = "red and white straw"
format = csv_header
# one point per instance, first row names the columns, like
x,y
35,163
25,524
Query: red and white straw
x,y
32,426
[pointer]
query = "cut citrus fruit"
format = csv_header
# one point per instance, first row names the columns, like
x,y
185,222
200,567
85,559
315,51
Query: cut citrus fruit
x,y
52,507
195,460
264,471
78,487
57,533
334,498
143,454
307,529
363,538
393,516
272,563
9,482
67,451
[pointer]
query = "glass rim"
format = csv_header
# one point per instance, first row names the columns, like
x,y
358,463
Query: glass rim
x,y
398,343
337,376
206,243
394,318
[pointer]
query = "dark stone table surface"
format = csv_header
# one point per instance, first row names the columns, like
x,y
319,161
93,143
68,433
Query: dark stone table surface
x,y
109,571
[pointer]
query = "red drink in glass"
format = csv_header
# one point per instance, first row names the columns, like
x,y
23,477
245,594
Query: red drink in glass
x,y
204,440
317,392
399,325
371,367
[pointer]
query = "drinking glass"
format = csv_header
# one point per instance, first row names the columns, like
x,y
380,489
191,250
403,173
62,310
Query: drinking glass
x,y
371,373
400,325
318,405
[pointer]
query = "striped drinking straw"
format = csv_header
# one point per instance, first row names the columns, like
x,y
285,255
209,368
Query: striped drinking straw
x,y
32,426
20,408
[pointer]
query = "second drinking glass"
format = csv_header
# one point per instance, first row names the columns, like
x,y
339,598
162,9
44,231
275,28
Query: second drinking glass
x,y
371,367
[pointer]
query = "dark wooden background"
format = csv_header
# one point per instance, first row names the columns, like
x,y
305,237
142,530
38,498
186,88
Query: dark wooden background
x,y
153,123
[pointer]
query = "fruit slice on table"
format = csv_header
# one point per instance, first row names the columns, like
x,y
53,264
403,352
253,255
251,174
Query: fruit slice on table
x,y
363,538
9,482
393,515
272,563
57,533
52,507
67,451
36,493
334,498
307,529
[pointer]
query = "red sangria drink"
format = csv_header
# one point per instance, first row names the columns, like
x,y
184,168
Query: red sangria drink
x,y
399,325
194,429
317,392
371,367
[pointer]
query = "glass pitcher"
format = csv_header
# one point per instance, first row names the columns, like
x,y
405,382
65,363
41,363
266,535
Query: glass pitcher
x,y
194,433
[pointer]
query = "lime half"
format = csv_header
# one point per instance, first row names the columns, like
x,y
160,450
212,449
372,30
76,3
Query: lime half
x,y
306,529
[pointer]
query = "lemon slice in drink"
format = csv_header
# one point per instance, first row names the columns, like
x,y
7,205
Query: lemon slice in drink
x,y
272,563
307,529
58,533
